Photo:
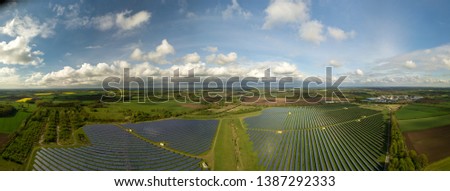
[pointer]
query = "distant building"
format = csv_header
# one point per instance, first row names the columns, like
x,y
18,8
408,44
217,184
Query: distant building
x,y
393,99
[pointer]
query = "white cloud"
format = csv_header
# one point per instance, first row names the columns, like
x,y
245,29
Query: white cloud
x,y
340,34
212,49
28,27
93,47
71,14
191,58
8,77
284,68
296,12
137,55
125,21
335,63
158,56
410,64
233,9
225,59
210,58
23,29
222,58
34,78
446,62
92,75
285,12
359,72
104,22
430,60
18,51
312,31
86,74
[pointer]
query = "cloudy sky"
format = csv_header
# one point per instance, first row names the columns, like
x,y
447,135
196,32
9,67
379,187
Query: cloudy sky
x,y
77,43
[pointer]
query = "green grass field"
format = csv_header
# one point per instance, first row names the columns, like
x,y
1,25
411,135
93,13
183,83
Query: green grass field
x,y
224,154
9,166
441,165
10,124
416,117
233,149
424,123
415,111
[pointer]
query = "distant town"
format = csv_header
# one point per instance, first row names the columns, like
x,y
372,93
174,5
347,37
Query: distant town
x,y
394,99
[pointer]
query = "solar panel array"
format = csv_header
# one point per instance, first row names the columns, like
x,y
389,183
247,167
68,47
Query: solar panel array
x,y
113,149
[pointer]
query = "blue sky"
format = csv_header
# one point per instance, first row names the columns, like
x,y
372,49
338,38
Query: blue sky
x,y
78,43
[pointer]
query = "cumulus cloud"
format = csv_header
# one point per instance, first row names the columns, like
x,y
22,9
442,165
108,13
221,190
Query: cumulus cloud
x,y
24,30
410,64
92,75
18,51
359,72
296,12
125,21
235,9
8,76
339,34
335,63
285,12
284,68
312,31
158,56
86,74
191,58
222,58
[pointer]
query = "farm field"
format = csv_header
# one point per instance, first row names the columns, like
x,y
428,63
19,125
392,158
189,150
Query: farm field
x,y
416,117
216,136
441,165
10,124
3,139
415,111
432,142
426,129
424,123
112,148
337,137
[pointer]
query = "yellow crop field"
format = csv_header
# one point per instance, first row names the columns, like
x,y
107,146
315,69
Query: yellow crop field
x,y
43,94
23,100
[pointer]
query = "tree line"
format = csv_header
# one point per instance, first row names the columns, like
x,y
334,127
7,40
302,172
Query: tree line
x,y
7,110
402,159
